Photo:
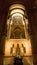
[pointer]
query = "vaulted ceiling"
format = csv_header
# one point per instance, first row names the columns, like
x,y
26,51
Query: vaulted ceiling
x,y
32,6
4,5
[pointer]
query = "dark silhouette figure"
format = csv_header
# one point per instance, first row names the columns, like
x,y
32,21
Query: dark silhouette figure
x,y
18,61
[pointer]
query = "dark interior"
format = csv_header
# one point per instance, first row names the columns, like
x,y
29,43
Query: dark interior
x,y
31,7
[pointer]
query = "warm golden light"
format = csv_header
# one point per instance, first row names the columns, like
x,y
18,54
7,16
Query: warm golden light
x,y
25,42
17,14
17,11
17,41
17,6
